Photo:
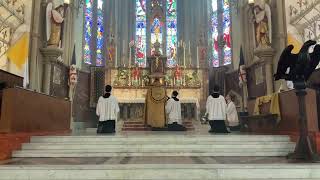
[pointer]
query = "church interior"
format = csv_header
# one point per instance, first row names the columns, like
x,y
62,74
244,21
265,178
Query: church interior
x,y
57,57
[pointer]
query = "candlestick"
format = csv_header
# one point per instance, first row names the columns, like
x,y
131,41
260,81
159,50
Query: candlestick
x,y
116,57
184,56
123,46
130,57
197,57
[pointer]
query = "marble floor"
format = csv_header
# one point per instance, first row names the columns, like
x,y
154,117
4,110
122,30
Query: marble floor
x,y
146,160
201,129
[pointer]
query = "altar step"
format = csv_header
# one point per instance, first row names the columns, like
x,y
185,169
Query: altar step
x,y
156,146
163,171
139,126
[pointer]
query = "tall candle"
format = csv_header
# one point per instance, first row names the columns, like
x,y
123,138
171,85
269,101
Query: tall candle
x,y
197,57
123,47
184,56
129,57
189,47
116,57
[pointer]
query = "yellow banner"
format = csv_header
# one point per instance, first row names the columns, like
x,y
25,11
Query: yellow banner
x,y
18,52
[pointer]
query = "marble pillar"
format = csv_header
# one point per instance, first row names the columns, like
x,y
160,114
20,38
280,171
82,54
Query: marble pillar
x,y
50,56
266,56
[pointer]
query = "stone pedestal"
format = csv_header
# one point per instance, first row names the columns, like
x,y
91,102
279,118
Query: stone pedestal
x,y
50,55
266,56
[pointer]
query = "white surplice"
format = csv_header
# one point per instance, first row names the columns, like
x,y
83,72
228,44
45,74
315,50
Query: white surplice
x,y
107,108
216,108
173,111
232,114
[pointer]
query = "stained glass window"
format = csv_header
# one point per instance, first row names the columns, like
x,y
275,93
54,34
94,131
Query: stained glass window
x,y
100,31
156,33
141,26
88,31
226,33
221,37
214,32
171,32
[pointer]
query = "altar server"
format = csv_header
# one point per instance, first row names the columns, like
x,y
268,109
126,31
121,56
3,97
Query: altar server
x,y
173,111
232,114
107,110
216,112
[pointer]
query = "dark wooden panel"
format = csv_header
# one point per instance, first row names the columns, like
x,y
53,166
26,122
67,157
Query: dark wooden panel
x,y
256,90
8,80
28,111
232,82
81,104
59,79
290,111
11,80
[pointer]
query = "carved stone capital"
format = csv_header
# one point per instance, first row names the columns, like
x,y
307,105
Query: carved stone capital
x,y
265,54
51,54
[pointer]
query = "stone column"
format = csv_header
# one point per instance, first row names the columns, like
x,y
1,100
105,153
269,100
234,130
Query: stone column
x,y
50,56
266,56
38,7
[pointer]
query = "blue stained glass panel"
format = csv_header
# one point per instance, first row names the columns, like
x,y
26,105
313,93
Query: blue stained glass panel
x,y
226,33
214,33
87,31
140,36
171,33
100,32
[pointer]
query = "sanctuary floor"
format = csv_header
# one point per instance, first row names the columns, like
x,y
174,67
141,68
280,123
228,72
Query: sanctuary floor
x,y
145,160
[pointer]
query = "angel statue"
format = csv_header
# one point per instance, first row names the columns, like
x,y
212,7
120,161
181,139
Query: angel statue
x,y
54,20
263,26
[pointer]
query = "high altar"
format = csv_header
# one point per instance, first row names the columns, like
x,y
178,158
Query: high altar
x,y
131,80
131,84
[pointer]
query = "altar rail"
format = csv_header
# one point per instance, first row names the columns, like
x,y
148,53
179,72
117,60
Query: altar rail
x,y
133,109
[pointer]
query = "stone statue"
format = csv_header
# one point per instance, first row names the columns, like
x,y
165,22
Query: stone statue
x,y
263,26
54,20
136,73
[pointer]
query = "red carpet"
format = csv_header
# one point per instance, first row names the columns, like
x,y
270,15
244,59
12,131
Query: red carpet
x,y
139,126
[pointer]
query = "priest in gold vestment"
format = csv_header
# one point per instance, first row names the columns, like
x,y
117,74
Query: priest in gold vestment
x,y
155,105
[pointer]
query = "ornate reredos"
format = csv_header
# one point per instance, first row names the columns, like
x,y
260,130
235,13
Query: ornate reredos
x,y
157,10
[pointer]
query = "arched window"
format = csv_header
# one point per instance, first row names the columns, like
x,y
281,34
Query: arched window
x,y
141,26
171,33
157,29
220,33
88,31
93,32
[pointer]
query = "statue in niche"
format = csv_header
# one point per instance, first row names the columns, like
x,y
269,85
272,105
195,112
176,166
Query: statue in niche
x,y
178,76
262,24
54,20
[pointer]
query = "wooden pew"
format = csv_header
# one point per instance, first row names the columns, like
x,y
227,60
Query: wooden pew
x,y
27,111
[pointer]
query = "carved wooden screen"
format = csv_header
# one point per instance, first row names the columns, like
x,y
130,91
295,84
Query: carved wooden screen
x,y
97,84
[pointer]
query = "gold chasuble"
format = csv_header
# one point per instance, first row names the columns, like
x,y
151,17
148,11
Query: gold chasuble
x,y
155,107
